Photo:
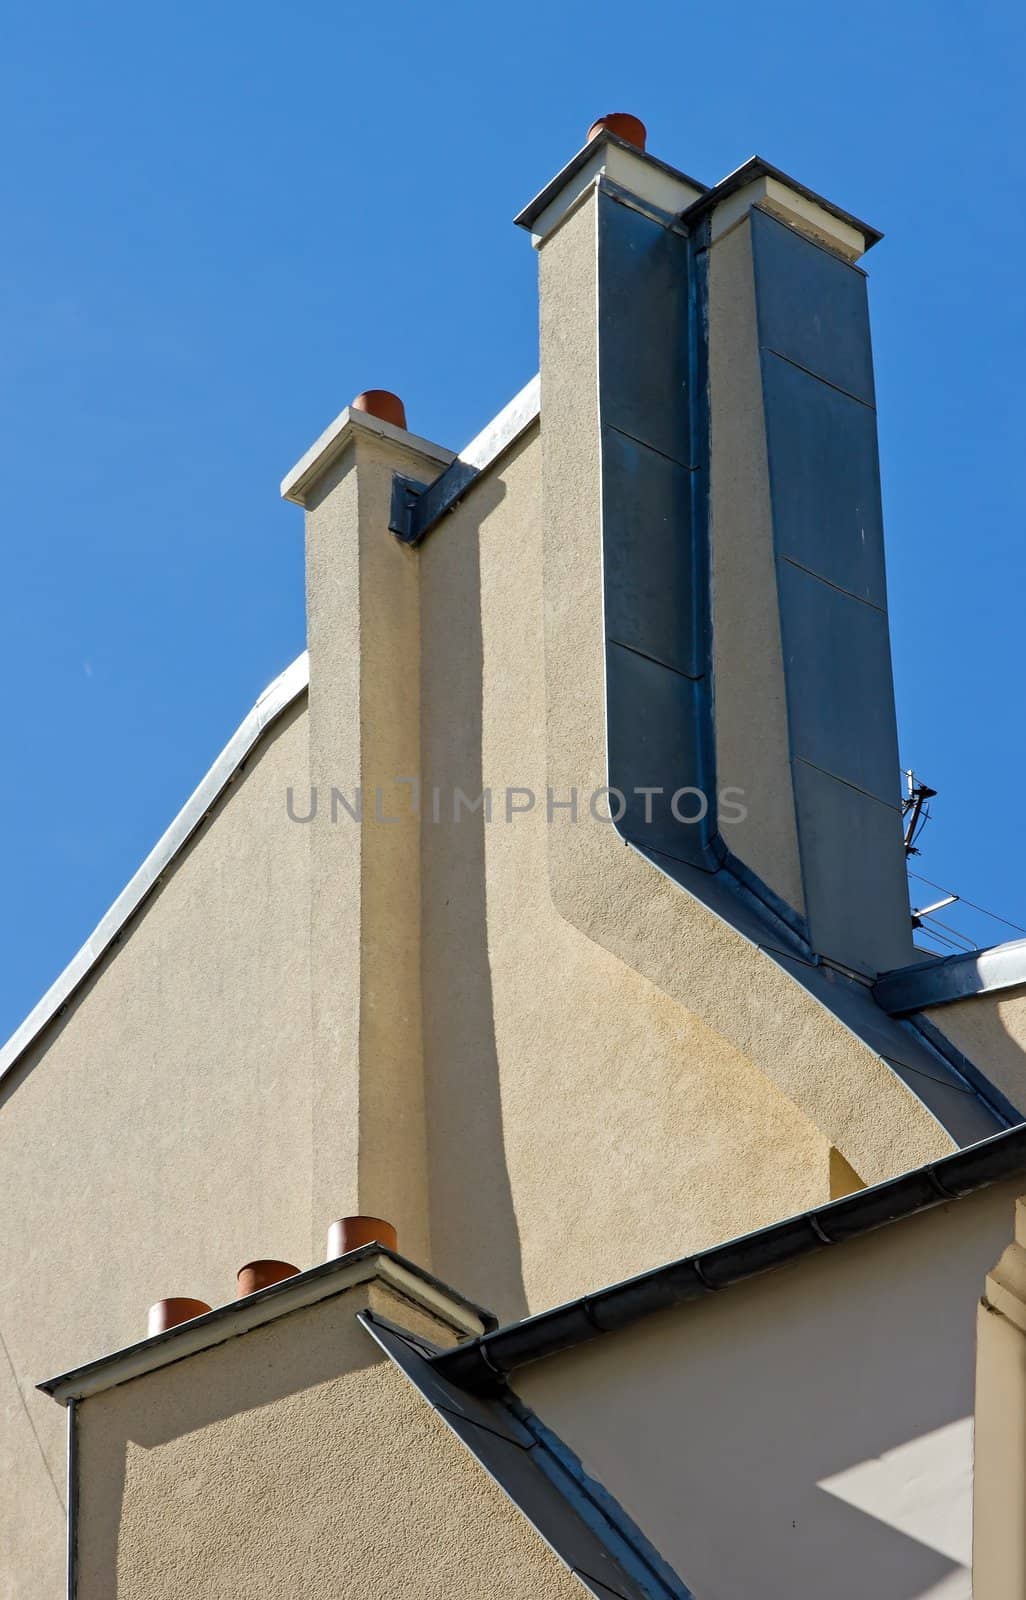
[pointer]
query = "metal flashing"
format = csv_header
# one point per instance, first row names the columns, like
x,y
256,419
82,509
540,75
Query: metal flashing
x,y
329,1278
580,1521
959,977
486,1361
593,155
418,507
654,460
755,167
326,450
276,699
653,465
816,369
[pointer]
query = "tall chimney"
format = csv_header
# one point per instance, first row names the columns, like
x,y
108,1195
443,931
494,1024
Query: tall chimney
x,y
804,697
715,346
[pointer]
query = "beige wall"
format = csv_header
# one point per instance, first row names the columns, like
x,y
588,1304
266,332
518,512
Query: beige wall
x,y
159,1133
293,1460
583,1124
991,1030
547,1064
807,1433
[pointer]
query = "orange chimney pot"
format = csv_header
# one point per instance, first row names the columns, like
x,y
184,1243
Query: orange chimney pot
x,y
631,129
349,1233
261,1274
169,1313
383,404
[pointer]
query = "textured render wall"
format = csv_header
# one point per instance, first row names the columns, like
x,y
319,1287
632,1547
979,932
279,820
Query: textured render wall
x,y
807,1433
991,1030
293,1461
583,1124
159,1134
363,623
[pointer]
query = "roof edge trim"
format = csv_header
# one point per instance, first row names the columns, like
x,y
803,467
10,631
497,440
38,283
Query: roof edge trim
x,y
529,214
322,1282
276,699
756,167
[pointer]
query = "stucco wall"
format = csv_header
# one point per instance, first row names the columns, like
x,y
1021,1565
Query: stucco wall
x,y
582,1123
807,1433
991,1030
294,1460
159,1133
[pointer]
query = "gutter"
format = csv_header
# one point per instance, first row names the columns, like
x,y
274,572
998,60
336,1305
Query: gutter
x,y
482,1364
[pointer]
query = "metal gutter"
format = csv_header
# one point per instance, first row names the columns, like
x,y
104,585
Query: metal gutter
x,y
755,167
323,1282
583,1526
418,507
276,698
482,1364
938,983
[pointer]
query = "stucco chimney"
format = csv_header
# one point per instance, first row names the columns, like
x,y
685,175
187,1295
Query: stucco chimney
x,y
363,633
705,361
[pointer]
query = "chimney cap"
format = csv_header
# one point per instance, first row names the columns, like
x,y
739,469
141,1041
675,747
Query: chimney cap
x,y
383,404
631,129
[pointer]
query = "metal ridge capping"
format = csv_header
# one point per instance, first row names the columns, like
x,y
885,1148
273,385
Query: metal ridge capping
x,y
276,698
485,1361
957,977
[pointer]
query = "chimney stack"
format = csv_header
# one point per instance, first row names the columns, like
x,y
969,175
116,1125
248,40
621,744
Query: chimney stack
x,y
707,353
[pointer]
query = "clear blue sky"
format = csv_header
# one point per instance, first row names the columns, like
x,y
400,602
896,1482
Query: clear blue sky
x,y
222,221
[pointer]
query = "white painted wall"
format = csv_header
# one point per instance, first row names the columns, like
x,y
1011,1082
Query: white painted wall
x,y
807,1435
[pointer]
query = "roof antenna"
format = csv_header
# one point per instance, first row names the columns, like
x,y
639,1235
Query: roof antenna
x,y
914,810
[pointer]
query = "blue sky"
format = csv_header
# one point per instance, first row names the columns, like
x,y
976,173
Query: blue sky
x,y
222,222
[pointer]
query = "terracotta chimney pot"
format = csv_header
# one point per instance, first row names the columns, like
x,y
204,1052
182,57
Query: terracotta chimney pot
x,y
349,1233
631,129
261,1274
169,1313
383,404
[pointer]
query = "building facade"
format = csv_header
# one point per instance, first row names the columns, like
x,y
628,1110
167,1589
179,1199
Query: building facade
x,y
553,907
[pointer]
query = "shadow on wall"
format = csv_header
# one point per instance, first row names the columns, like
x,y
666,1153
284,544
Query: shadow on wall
x,y
475,1242
231,1426
808,1432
